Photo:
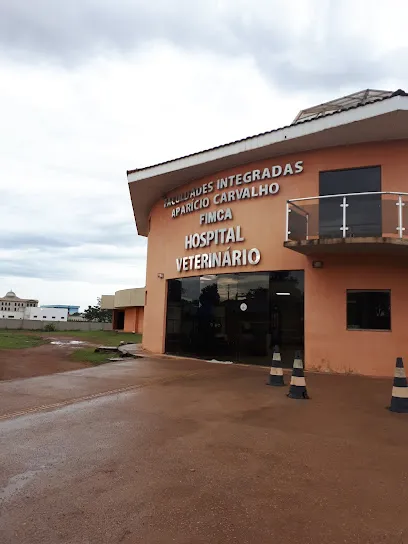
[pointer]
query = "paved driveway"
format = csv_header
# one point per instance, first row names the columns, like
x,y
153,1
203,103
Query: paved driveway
x,y
161,451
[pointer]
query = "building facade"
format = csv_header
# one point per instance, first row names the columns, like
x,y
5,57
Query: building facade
x,y
128,309
297,237
12,306
44,313
70,309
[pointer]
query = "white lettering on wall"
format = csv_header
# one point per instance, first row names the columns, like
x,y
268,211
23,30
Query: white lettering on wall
x,y
219,259
219,236
215,217
232,189
198,200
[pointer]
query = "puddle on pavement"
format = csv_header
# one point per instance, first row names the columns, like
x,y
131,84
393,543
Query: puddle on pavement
x,y
16,484
67,342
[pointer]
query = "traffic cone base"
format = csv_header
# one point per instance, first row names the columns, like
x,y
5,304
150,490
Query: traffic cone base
x,y
299,393
276,373
399,396
297,388
399,405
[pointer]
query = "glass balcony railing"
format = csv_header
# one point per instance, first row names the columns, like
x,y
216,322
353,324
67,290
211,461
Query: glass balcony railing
x,y
353,215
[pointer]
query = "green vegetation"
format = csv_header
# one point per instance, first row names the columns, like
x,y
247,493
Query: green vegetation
x,y
96,313
102,338
19,340
49,327
88,355
10,339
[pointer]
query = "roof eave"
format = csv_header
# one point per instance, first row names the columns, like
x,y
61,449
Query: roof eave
x,y
280,139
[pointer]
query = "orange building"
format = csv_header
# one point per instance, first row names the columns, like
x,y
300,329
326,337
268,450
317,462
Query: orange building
x,y
127,308
297,237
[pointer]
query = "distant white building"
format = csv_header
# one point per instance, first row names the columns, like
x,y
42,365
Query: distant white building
x,y
12,306
46,314
11,315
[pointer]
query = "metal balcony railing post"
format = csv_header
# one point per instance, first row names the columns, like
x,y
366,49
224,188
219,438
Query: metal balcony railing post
x,y
344,227
287,222
400,227
307,226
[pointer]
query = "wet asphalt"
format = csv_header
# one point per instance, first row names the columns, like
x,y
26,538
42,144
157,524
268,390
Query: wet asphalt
x,y
167,450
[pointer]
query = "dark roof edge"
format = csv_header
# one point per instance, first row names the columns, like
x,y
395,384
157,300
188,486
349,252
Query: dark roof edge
x,y
398,92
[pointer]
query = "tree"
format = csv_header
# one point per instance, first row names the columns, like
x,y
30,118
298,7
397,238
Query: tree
x,y
96,313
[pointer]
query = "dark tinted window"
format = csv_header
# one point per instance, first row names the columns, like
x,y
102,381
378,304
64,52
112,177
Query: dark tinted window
x,y
370,310
363,213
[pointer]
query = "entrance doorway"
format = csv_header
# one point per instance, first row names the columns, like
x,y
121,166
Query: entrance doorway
x,y
237,317
119,322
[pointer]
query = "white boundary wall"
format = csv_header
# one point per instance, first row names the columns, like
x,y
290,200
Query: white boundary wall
x,y
27,324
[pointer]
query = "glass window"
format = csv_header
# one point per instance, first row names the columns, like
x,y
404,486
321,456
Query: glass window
x,y
234,317
369,310
363,213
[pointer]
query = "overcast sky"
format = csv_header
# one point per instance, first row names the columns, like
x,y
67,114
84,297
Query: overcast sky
x,y
91,88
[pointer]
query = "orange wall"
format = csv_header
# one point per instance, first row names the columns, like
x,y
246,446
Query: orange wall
x,y
328,345
140,320
134,319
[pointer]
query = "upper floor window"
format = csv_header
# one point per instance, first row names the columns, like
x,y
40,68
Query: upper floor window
x,y
363,213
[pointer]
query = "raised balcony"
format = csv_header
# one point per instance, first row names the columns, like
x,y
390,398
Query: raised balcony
x,y
350,223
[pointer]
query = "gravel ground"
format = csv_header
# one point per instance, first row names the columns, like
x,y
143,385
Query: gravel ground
x,y
39,361
168,450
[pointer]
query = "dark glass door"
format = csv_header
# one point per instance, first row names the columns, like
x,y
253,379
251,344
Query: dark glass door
x,y
236,317
363,213
252,317
287,313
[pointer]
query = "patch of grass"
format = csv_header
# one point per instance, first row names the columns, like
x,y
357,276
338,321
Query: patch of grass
x,y
88,355
103,338
19,340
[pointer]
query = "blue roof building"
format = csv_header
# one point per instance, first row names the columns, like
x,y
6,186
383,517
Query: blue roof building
x,y
71,309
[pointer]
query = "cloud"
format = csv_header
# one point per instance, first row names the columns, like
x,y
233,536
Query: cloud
x,y
91,88
77,29
307,43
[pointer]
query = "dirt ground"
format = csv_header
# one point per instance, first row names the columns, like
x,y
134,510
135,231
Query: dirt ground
x,y
156,451
38,361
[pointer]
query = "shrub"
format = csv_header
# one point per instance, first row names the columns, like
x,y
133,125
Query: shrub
x,y
49,327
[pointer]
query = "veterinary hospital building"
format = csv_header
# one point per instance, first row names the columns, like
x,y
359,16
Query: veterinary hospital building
x,y
297,237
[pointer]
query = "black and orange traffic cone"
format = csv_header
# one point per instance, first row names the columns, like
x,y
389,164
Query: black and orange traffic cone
x,y
297,388
276,373
399,398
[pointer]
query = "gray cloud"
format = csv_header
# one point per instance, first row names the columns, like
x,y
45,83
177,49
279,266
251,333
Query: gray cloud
x,y
11,240
118,238
76,115
81,263
31,268
72,32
